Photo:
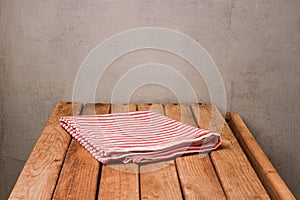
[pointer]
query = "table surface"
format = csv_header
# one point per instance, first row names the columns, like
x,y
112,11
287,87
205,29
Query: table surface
x,y
60,168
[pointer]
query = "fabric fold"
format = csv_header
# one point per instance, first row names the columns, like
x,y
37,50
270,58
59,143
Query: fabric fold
x,y
139,137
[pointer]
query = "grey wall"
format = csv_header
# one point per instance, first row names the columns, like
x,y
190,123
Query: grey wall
x,y
254,43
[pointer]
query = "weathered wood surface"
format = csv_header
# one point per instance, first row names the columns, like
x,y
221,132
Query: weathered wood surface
x,y
236,174
79,175
40,173
197,175
271,180
159,180
120,181
59,167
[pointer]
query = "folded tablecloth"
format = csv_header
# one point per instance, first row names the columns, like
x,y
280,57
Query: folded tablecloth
x,y
139,137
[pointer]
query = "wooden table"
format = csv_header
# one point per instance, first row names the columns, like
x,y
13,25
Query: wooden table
x,y
60,168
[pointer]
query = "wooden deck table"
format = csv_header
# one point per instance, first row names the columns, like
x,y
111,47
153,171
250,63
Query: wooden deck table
x,y
60,168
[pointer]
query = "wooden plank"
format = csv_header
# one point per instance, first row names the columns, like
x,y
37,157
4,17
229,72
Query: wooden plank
x,y
197,175
79,176
40,173
268,175
120,181
159,180
236,174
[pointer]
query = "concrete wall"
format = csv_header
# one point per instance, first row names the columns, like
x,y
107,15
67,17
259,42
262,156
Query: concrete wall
x,y
255,44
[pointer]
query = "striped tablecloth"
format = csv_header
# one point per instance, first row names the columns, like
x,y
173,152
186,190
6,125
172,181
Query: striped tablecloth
x,y
138,137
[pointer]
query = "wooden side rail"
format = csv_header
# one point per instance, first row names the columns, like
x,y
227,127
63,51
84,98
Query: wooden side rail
x,y
268,175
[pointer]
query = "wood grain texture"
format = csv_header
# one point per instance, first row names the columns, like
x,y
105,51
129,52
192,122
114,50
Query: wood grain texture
x,y
197,175
236,174
120,181
268,175
40,173
159,180
79,176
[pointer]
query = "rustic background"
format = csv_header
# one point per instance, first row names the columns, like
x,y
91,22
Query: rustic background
x,y
255,44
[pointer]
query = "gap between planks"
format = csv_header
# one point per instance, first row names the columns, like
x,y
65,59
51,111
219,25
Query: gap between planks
x,y
120,181
159,180
236,174
42,169
270,178
80,172
196,172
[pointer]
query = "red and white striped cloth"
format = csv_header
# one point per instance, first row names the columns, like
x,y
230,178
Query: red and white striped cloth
x,y
138,137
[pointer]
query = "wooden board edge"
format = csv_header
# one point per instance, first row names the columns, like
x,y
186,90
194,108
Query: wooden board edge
x,y
91,166
187,117
244,182
120,169
18,189
173,189
268,175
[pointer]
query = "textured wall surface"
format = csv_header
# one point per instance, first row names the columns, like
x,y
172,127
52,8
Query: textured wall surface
x,y
255,44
